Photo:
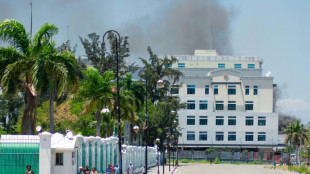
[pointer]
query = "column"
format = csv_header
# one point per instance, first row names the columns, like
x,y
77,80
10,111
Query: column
x,y
45,153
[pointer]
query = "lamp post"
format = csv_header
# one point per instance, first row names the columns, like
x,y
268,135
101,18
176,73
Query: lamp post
x,y
164,145
157,142
145,125
308,154
117,47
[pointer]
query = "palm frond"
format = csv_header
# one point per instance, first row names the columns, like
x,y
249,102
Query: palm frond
x,y
14,76
44,34
7,56
14,33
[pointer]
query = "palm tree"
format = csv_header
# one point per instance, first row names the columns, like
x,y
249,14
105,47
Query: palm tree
x,y
56,71
97,91
18,65
296,135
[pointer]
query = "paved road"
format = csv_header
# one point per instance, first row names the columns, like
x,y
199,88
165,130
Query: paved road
x,y
154,170
226,169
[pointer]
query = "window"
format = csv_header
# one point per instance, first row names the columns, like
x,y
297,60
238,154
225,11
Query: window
x,y
190,89
216,90
251,66
203,136
219,120
191,104
249,121
181,65
231,105
261,121
174,89
190,135
231,90
203,105
248,105
221,65
237,65
231,136
247,90
249,136
255,90
207,89
203,120
219,136
59,159
219,105
261,136
190,120
232,120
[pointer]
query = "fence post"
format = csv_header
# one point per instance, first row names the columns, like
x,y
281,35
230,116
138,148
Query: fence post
x,y
45,153
192,154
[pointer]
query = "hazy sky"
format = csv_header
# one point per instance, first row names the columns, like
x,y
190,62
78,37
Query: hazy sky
x,y
276,30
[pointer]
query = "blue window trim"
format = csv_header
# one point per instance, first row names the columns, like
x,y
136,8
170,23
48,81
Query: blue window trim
x,y
237,65
251,66
221,65
181,65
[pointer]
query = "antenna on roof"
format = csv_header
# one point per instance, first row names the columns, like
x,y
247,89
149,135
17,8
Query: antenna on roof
x,y
211,38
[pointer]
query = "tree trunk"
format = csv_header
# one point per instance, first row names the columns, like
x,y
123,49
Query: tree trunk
x,y
51,112
29,118
98,118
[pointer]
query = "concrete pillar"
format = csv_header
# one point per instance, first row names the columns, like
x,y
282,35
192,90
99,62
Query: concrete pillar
x,y
45,153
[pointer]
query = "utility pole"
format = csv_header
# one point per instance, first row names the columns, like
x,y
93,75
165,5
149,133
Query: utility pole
x,y
30,3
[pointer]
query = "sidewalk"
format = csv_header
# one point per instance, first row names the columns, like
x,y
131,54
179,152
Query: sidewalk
x,y
154,170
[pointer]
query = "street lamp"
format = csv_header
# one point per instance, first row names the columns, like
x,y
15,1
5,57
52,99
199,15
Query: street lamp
x,y
157,142
160,84
308,154
117,47
173,112
105,110
136,130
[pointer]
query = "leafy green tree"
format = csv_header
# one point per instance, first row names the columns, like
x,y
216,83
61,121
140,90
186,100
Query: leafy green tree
x,y
296,134
96,90
209,151
72,49
66,46
9,111
158,68
19,62
103,61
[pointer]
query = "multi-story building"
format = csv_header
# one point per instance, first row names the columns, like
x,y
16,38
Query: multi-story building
x,y
230,102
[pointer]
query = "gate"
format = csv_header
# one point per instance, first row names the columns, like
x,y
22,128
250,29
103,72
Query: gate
x,y
16,152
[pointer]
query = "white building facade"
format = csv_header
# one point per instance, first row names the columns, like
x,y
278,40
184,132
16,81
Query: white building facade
x,y
229,101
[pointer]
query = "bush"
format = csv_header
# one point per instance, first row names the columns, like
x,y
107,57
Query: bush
x,y
217,161
203,161
302,169
184,161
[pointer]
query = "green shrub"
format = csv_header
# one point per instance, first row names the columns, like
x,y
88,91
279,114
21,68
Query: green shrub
x,y
302,169
217,161
184,161
291,168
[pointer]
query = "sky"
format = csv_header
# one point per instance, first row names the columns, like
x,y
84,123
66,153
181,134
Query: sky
x,y
276,30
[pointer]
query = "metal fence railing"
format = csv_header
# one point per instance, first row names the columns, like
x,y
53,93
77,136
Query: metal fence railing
x,y
18,151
